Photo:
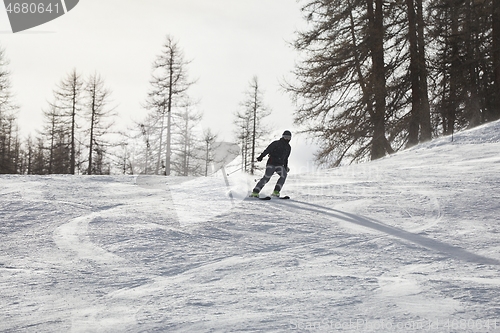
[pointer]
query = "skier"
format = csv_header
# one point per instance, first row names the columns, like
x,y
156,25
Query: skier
x,y
278,152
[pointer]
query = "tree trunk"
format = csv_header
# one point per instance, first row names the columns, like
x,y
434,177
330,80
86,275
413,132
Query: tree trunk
x,y
160,143
425,109
455,70
496,58
169,115
254,127
73,122
91,144
414,125
378,77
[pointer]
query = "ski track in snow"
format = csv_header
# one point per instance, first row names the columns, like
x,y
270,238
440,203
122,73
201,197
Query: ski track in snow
x,y
400,244
72,236
429,243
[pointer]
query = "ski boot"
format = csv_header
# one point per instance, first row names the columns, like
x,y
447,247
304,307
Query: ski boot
x,y
254,195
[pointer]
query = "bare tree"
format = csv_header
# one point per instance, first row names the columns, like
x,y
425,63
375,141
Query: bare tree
x,y
99,122
250,128
169,85
53,135
69,102
209,140
188,157
8,126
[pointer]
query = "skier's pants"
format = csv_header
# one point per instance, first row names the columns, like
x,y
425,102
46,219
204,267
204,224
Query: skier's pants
x,y
270,170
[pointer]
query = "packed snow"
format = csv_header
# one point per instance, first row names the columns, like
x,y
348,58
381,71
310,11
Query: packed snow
x,y
408,243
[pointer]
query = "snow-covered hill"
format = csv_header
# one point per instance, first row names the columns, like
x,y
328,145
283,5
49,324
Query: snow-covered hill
x,y
408,243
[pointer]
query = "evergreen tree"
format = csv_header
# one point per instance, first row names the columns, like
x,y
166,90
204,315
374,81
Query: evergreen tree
x,y
464,62
376,75
494,112
341,81
420,123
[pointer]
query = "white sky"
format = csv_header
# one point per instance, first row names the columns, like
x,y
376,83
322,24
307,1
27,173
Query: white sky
x,y
228,41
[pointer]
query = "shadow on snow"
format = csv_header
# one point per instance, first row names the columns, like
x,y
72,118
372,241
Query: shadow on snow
x,y
450,250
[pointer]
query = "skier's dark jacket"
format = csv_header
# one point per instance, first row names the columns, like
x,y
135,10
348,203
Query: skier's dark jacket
x,y
278,151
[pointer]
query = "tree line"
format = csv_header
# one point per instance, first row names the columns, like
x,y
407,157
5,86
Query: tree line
x,y
378,76
374,77
78,135
72,140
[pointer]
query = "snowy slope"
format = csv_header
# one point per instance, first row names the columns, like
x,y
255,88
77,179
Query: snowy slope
x,y
408,243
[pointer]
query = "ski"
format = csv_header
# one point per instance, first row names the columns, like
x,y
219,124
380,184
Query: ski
x,y
269,198
260,198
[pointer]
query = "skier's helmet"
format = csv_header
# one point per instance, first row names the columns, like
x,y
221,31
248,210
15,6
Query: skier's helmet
x,y
287,135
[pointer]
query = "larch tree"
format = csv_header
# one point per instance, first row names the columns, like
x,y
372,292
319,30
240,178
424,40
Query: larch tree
x,y
420,120
209,141
99,116
169,85
69,102
495,10
187,159
8,125
464,60
250,128
55,140
340,88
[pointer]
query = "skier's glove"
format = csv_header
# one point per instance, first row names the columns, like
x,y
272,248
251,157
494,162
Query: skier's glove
x,y
287,169
259,159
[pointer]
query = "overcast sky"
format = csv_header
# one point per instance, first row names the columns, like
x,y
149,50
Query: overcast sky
x,y
228,41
